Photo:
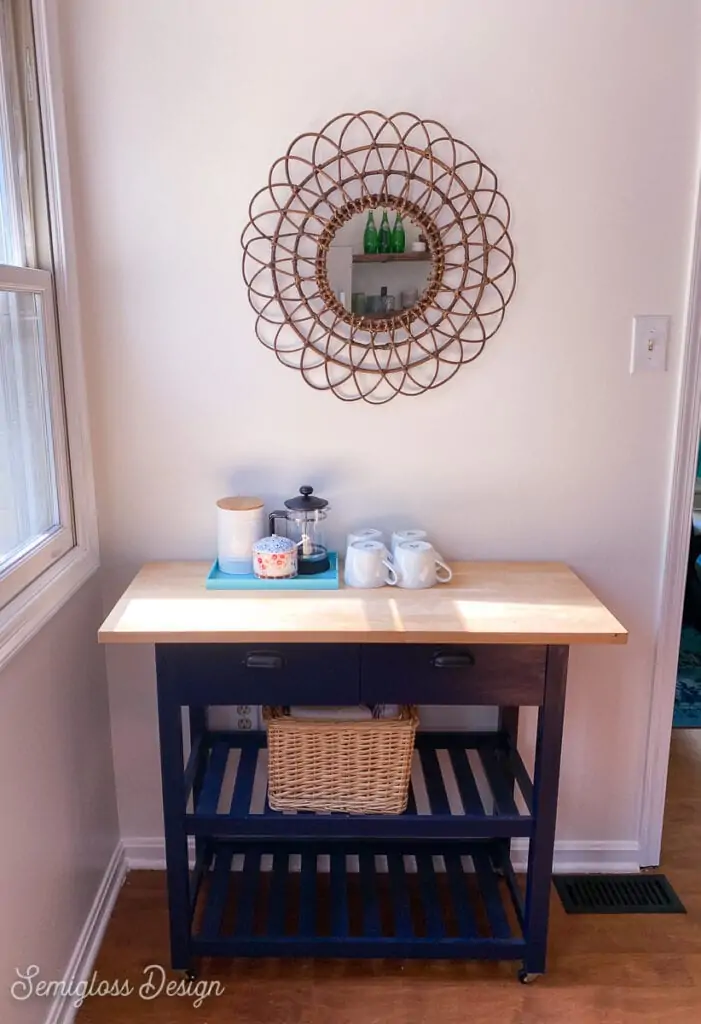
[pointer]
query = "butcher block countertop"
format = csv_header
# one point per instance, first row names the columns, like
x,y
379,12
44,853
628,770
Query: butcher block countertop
x,y
486,603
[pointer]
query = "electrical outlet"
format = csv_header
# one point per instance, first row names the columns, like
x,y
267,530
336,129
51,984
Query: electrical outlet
x,y
238,717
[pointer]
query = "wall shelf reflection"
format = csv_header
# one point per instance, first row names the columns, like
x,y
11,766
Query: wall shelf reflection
x,y
391,257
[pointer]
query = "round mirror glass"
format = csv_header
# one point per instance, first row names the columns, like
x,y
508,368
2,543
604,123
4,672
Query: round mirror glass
x,y
378,264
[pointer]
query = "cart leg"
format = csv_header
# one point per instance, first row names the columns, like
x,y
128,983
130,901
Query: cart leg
x,y
545,791
174,805
198,726
508,723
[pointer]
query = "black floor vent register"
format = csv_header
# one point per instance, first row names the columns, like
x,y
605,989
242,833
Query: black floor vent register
x,y
617,894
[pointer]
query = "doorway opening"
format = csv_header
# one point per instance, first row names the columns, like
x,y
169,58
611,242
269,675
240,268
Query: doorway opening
x,y
687,698
680,546
682,814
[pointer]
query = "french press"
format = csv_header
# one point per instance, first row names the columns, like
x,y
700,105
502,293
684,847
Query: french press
x,y
304,516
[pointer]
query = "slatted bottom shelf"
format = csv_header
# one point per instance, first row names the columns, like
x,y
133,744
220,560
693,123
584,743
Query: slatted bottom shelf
x,y
359,899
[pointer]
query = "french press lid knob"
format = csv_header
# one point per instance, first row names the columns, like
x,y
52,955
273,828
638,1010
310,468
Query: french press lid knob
x,y
308,502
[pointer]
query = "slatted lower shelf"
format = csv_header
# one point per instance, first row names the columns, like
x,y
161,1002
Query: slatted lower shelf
x,y
462,784
359,899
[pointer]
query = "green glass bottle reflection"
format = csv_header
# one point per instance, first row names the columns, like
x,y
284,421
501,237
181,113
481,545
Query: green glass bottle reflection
x,y
370,238
385,235
398,238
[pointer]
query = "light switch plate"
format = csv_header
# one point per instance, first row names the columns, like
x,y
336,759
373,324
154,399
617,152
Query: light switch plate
x,y
649,349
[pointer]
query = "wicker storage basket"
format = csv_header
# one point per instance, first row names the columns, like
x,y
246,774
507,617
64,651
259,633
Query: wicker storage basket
x,y
357,767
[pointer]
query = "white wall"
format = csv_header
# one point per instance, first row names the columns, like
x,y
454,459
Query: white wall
x,y
60,824
546,447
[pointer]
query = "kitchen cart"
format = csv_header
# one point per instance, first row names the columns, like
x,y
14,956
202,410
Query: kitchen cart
x,y
436,881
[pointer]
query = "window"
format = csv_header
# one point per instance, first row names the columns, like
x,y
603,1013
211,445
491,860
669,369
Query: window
x,y
36,506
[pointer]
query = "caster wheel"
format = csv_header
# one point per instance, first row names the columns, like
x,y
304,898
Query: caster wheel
x,y
190,974
527,979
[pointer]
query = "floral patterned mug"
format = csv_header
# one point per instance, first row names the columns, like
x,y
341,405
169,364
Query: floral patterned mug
x,y
275,558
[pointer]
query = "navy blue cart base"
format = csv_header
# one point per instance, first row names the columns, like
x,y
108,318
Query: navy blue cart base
x,y
358,899
436,881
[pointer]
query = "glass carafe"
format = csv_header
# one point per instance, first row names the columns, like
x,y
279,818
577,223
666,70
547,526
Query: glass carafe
x,y
303,519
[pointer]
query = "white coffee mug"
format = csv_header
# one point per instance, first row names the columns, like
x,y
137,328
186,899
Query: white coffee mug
x,y
405,537
367,565
368,533
417,565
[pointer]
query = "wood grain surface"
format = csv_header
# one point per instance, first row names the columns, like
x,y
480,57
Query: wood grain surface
x,y
486,602
603,970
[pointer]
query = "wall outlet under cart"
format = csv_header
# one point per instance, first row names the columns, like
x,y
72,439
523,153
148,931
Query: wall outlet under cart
x,y
235,717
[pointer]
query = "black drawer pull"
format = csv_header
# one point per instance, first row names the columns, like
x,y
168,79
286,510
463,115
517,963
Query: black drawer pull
x,y
261,659
442,660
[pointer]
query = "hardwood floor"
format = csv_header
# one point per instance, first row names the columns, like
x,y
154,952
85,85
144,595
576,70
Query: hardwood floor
x,y
602,970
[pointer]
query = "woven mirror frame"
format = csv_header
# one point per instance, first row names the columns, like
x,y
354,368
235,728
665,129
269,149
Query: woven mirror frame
x,y
361,162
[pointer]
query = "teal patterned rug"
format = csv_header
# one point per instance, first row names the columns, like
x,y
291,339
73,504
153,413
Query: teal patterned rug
x,y
687,702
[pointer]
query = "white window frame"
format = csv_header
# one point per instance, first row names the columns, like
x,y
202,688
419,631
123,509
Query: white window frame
x,y
40,552
37,602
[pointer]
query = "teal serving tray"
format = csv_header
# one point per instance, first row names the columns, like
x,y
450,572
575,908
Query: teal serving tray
x,y
218,580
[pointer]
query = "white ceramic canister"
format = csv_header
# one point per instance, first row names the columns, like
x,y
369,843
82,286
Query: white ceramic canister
x,y
240,523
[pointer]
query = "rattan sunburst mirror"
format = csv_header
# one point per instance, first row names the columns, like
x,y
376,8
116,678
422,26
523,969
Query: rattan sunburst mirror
x,y
319,280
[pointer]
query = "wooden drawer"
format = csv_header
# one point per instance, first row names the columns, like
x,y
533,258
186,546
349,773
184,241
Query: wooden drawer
x,y
263,673
452,674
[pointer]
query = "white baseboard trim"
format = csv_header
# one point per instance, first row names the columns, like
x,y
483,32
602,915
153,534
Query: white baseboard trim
x,y
62,1010
148,853
596,855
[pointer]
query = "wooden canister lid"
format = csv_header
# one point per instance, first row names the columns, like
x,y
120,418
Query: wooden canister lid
x,y
239,504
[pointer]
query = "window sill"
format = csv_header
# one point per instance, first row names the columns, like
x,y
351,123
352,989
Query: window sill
x,y
25,615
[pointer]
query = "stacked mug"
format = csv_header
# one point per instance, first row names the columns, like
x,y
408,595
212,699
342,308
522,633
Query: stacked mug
x,y
411,562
